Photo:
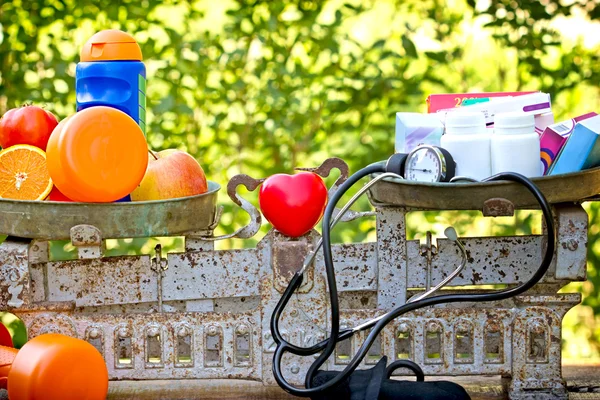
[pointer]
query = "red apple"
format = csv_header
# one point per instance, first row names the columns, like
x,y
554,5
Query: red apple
x,y
171,174
27,125
56,195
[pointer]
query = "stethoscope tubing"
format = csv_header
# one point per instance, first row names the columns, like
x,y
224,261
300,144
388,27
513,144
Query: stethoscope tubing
x,y
328,345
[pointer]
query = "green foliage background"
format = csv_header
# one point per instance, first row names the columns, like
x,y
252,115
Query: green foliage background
x,y
260,87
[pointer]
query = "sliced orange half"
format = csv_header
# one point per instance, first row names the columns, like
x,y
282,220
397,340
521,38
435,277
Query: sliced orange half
x,y
24,173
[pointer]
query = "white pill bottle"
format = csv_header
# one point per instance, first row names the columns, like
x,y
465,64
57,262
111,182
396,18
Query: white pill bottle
x,y
516,145
468,141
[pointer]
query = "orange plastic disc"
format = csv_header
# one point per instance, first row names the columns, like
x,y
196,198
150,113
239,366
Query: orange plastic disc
x,y
58,367
103,155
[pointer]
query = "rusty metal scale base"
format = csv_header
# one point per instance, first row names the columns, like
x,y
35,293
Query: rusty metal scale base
x,y
204,314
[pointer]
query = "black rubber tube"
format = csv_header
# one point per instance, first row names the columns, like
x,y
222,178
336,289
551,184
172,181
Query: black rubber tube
x,y
328,345
414,367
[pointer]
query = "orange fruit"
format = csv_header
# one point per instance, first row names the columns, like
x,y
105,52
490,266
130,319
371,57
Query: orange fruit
x,y
24,173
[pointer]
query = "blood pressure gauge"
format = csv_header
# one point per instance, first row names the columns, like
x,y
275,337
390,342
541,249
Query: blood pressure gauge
x,y
429,164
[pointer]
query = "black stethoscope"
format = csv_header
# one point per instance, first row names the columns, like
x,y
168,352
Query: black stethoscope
x,y
327,346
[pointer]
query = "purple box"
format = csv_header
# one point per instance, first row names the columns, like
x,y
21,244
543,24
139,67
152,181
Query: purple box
x,y
554,138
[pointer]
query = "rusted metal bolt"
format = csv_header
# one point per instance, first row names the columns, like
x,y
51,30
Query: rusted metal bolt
x,y
433,327
294,313
94,333
242,329
403,327
295,369
50,329
14,276
537,328
123,332
572,245
153,331
183,332
212,330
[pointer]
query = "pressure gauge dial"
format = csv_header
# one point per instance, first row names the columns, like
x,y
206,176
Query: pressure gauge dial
x,y
429,164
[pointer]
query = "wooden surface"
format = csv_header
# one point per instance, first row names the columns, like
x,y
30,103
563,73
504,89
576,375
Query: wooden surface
x,y
583,383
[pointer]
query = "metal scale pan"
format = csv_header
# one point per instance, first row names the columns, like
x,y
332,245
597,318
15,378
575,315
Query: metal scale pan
x,y
51,220
565,188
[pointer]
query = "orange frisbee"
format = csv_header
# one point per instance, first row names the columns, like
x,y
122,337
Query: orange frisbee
x,y
57,367
53,157
102,153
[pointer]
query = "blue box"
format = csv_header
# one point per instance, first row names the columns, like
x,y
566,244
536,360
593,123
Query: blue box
x,y
582,149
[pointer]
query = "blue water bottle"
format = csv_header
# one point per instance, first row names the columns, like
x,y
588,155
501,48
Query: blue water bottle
x,y
111,73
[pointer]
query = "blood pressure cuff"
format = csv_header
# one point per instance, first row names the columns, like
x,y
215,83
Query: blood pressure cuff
x,y
373,384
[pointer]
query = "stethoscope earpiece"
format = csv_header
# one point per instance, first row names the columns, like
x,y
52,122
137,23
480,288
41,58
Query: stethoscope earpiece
x,y
450,233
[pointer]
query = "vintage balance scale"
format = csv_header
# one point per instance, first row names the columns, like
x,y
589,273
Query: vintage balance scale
x,y
205,314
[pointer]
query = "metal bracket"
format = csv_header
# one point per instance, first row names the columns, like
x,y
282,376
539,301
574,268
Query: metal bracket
x,y
88,241
498,207
428,250
323,171
159,265
288,258
255,218
251,184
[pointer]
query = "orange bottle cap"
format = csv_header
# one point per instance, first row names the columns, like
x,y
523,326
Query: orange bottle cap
x,y
58,367
102,155
111,45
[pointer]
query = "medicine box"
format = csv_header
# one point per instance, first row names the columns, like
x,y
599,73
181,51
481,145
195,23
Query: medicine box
x,y
554,138
543,121
414,129
436,102
581,150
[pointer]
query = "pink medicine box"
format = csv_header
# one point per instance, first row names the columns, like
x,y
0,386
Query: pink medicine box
x,y
436,102
554,138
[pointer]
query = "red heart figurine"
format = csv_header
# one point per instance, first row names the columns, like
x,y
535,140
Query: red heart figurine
x,y
293,204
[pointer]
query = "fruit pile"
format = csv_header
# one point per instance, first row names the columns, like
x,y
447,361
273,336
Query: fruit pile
x,y
97,155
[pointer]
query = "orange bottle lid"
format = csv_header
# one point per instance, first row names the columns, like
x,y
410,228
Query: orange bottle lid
x,y
99,156
111,45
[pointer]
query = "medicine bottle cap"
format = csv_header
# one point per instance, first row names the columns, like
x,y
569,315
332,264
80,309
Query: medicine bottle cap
x,y
514,123
465,122
111,45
